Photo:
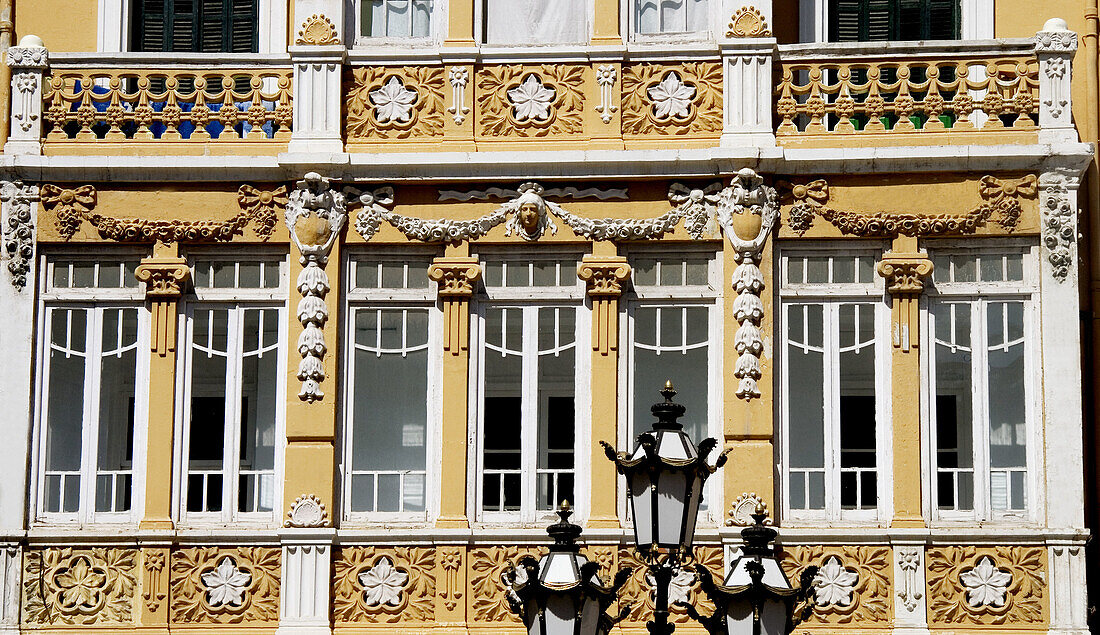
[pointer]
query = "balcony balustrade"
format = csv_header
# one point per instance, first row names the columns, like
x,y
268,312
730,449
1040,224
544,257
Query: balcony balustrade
x,y
327,99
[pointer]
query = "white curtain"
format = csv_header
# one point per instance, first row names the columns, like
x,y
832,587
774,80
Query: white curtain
x,y
536,21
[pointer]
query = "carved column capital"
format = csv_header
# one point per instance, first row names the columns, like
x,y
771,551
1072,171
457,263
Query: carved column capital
x,y
604,275
164,278
456,275
905,273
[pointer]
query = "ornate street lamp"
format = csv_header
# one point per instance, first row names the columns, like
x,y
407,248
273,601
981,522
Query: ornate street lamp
x,y
664,478
562,594
756,598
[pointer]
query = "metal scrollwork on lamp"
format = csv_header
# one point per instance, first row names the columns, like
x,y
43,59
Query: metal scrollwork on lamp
x,y
562,594
664,478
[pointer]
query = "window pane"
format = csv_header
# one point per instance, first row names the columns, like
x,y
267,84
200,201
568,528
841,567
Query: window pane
x,y
536,21
115,446
389,409
954,405
258,408
1007,416
65,409
857,404
208,401
556,420
503,409
805,385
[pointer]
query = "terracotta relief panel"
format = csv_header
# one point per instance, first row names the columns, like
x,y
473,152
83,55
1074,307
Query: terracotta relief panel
x,y
638,590
487,602
987,585
214,585
853,584
69,587
384,584
395,102
530,100
672,99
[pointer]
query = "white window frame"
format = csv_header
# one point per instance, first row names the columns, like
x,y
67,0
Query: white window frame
x,y
389,299
709,296
573,297
94,300
437,28
978,295
236,301
628,18
831,296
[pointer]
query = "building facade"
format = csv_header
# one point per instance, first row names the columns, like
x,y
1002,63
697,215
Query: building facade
x,y
314,311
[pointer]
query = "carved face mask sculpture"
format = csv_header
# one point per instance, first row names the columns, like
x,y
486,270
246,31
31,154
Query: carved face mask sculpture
x,y
531,211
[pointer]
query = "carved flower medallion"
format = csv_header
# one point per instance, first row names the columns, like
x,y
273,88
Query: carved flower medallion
x,y
833,584
383,584
226,584
531,100
671,98
81,586
985,584
679,588
393,102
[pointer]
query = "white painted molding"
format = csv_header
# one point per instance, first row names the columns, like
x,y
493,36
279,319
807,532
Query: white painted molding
x,y
272,34
113,26
28,63
305,586
910,589
1055,47
1062,463
10,569
317,99
1068,597
747,86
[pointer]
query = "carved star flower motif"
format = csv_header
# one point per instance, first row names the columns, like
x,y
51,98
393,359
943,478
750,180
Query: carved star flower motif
x,y
383,583
81,585
531,100
226,584
986,585
679,589
393,102
833,584
672,97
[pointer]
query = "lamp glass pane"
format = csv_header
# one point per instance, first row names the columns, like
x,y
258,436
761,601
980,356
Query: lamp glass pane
x,y
641,507
560,615
671,501
773,618
739,617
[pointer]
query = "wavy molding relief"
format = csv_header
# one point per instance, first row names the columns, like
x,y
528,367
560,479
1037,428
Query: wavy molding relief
x,y
72,207
213,585
384,585
1000,205
530,100
672,99
395,102
853,584
67,586
987,585
488,601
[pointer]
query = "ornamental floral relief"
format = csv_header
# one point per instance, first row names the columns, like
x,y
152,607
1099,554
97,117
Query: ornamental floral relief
x,y
67,586
530,100
672,99
987,585
384,585
488,602
638,591
212,585
399,103
852,586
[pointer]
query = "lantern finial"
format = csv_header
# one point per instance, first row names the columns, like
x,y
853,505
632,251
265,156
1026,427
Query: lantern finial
x,y
564,532
668,412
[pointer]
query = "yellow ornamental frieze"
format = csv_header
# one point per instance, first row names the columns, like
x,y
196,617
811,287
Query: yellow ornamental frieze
x,y
530,100
384,585
987,585
67,586
488,602
212,585
852,586
395,102
672,99
638,591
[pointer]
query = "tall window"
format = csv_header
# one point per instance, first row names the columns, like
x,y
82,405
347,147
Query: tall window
x,y
391,307
835,384
536,21
670,16
203,26
234,370
93,328
981,338
892,20
530,377
395,18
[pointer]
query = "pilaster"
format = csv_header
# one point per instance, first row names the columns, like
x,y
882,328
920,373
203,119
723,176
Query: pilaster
x,y
317,98
28,63
910,589
604,276
455,274
1068,600
306,583
154,580
605,29
460,23
166,277
11,560
1055,47
747,90
905,270
18,224
1059,305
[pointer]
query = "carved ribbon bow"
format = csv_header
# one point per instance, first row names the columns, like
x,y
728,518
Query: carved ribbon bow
x,y
72,206
994,189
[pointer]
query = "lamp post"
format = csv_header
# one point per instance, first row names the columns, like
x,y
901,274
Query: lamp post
x,y
562,594
665,475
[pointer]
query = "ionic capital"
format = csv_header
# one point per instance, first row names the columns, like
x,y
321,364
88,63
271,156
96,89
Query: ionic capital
x,y
604,275
456,276
165,278
905,273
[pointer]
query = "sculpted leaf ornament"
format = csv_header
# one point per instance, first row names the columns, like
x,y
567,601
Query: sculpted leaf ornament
x,y
531,100
383,584
393,101
82,586
833,584
226,584
672,97
986,585
679,589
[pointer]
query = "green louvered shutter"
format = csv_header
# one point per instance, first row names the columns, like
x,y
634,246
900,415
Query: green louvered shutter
x,y
893,20
207,26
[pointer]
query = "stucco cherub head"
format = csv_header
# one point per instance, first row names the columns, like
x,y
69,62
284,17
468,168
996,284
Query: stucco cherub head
x,y
530,219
